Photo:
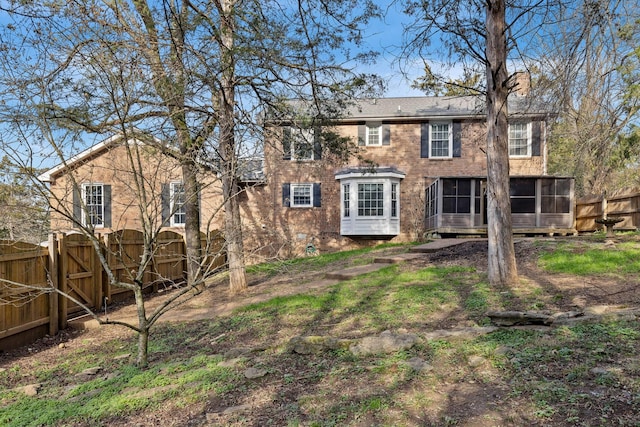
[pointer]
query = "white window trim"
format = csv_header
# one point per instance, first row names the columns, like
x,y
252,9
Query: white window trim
x,y
292,195
296,135
529,148
371,143
450,146
172,207
85,206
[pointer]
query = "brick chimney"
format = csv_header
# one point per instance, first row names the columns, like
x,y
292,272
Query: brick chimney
x,y
521,83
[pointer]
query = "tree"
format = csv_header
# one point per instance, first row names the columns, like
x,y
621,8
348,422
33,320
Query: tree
x,y
468,41
437,85
190,79
24,211
588,71
197,74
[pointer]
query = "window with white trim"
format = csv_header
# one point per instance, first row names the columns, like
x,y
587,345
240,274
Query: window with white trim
x,y
374,135
300,143
346,200
301,195
177,197
93,212
370,199
519,139
440,140
394,200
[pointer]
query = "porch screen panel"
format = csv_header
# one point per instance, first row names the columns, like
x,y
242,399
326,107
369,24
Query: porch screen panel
x,y
523,195
556,195
456,196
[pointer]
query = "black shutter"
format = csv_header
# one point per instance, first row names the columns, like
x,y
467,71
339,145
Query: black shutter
x,y
424,140
317,144
386,135
317,195
165,202
457,139
286,143
286,195
77,207
535,138
362,134
106,194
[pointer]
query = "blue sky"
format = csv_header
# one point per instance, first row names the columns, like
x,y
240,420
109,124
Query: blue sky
x,y
385,37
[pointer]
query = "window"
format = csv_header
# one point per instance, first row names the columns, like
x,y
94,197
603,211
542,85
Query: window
x,y
346,200
301,195
298,144
370,199
456,195
394,200
178,216
441,140
556,195
93,196
519,140
523,195
374,135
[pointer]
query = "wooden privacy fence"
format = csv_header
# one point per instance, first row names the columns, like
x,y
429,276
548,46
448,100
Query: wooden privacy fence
x,y
71,263
625,206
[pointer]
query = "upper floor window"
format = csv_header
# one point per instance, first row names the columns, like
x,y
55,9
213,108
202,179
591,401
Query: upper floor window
x,y
94,200
441,140
299,144
178,216
519,139
374,135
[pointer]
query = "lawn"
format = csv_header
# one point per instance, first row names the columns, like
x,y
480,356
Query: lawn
x,y
201,372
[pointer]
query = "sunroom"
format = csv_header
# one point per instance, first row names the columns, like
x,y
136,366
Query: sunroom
x,y
539,205
370,201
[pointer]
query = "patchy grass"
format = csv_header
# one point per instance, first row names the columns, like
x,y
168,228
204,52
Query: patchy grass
x,y
585,375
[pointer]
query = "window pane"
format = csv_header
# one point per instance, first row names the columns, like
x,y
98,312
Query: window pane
x,y
370,200
94,205
464,187
464,204
440,140
522,187
523,205
518,139
177,203
301,195
449,186
373,135
449,205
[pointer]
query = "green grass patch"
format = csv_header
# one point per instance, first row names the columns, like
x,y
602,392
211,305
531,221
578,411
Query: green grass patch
x,y
625,259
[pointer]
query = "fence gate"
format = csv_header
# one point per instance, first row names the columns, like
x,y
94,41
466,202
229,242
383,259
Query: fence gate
x,y
80,274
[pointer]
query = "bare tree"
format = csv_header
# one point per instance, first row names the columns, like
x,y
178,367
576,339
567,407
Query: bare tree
x,y
198,75
473,44
588,70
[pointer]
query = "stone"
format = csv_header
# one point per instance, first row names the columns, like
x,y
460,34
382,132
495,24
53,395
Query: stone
x,y
418,364
476,361
253,373
30,390
89,373
62,345
231,363
315,344
235,409
386,342
122,357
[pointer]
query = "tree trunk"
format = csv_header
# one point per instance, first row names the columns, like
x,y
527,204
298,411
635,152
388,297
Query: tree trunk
x,y
232,220
142,359
502,267
193,244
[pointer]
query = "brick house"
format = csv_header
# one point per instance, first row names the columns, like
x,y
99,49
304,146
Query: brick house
x,y
417,166
420,168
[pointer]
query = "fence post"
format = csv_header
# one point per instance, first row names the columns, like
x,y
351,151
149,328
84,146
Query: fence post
x,y
63,303
54,298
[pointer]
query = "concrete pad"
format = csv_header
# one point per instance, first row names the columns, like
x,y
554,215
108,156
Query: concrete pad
x,y
439,244
396,259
